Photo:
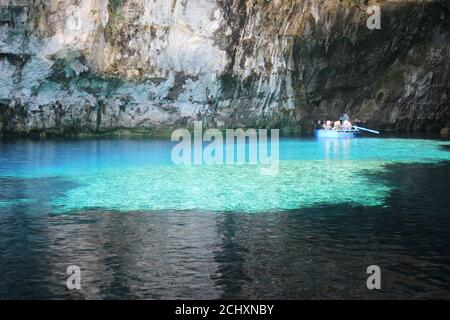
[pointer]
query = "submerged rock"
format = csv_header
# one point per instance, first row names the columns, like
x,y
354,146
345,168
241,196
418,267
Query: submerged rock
x,y
445,132
82,66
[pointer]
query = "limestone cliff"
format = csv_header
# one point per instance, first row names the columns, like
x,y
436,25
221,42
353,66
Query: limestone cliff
x,y
70,66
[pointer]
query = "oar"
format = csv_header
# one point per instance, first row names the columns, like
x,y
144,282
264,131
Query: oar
x,y
365,129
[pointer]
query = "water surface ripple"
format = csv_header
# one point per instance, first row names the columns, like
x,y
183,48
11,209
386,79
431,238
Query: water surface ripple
x,y
109,206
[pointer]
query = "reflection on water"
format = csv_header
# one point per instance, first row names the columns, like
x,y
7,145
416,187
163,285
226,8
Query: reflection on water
x,y
141,228
337,148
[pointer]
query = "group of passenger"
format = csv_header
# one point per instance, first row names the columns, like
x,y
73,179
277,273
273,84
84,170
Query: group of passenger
x,y
342,124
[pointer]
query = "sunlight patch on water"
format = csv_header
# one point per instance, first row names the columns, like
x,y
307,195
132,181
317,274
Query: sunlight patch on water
x,y
243,188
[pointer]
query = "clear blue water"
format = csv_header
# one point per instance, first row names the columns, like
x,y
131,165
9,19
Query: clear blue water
x,y
141,227
130,175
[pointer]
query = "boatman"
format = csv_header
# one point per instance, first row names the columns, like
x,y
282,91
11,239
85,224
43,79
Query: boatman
x,y
344,117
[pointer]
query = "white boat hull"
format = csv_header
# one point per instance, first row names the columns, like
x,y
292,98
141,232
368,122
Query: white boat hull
x,y
336,133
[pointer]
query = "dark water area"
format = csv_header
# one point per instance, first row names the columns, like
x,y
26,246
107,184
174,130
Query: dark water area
x,y
309,253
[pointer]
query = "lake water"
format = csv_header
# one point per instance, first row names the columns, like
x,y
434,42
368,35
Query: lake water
x,y
139,226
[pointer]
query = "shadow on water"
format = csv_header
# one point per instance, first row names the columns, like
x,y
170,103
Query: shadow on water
x,y
320,252
24,234
324,252
33,189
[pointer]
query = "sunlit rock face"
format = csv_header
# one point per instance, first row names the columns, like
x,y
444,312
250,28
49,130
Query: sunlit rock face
x,y
81,66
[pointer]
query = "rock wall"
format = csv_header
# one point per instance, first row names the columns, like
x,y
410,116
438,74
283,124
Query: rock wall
x,y
94,66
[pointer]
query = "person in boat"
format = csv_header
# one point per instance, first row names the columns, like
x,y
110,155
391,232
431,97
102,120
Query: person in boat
x,y
337,125
344,117
319,125
327,125
347,125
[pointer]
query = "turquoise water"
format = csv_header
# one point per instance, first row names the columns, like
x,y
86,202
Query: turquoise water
x,y
133,175
140,227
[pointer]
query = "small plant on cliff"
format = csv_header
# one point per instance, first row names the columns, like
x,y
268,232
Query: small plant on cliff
x,y
116,3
